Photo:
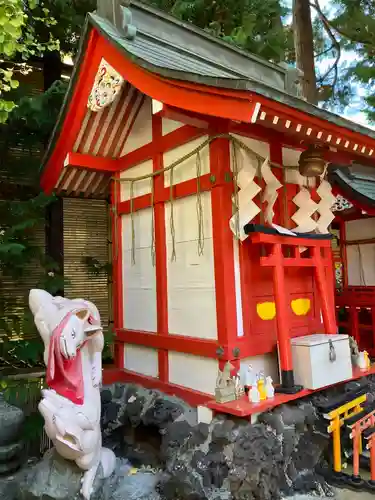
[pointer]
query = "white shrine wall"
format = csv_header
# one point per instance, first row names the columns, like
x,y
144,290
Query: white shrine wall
x,y
142,360
360,258
194,372
139,277
187,169
140,188
191,277
139,291
169,126
268,364
141,131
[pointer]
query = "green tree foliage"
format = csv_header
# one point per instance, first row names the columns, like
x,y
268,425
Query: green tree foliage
x,y
18,42
354,24
29,124
26,127
345,32
71,16
255,25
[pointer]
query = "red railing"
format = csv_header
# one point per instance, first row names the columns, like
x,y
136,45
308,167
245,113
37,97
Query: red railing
x,y
355,312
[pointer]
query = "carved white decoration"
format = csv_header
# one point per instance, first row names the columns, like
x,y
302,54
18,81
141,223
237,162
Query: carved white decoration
x,y
327,199
270,194
306,209
341,204
247,209
107,86
72,335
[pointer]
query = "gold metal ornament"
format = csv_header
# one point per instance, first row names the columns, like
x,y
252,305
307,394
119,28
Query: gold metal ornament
x,y
311,162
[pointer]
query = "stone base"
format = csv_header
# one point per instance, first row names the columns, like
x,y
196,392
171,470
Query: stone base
x,y
223,458
53,478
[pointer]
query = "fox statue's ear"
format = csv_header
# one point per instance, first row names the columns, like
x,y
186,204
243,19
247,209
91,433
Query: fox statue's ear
x,y
82,314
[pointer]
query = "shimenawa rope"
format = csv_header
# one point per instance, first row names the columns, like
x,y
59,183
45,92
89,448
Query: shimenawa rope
x,y
235,144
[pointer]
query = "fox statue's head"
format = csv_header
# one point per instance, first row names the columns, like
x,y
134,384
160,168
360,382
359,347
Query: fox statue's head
x,y
78,319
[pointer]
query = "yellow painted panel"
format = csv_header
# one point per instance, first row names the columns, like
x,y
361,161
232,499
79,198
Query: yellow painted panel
x,y
301,307
266,310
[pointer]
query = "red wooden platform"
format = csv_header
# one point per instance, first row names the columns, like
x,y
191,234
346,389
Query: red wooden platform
x,y
243,408
239,408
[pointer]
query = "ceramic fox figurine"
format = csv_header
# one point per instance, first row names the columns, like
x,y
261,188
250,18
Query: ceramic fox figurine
x,y
254,396
262,389
367,359
270,390
363,360
250,378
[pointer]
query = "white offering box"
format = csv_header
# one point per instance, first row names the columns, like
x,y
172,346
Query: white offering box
x,y
321,360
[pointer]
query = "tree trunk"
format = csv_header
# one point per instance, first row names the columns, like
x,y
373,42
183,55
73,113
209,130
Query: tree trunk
x,y
52,68
54,227
304,48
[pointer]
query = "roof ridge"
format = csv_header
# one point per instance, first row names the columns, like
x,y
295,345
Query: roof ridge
x,y
165,16
162,41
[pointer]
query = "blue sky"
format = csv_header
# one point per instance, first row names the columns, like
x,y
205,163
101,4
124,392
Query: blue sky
x,y
353,111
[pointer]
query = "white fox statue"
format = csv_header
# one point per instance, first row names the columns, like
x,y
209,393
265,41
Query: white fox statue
x,y
73,342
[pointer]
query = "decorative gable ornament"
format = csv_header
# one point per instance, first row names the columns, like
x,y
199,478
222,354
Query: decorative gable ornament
x,y
107,86
341,204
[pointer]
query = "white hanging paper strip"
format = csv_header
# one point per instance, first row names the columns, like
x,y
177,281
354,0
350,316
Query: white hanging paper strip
x,y
270,194
107,86
306,209
327,200
247,209
341,204
246,215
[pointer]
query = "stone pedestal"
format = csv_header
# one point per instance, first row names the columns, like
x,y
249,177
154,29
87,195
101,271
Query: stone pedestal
x,y
11,446
53,478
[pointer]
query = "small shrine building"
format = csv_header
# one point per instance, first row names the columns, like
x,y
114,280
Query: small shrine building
x,y
220,178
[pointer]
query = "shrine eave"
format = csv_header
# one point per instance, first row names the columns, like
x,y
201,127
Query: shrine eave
x,y
356,183
157,66
156,56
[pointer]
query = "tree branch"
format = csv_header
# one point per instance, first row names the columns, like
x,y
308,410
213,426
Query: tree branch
x,y
324,51
335,44
322,16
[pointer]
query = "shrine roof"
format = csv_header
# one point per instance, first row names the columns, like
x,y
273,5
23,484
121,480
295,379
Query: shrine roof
x,y
186,69
356,183
175,49
180,51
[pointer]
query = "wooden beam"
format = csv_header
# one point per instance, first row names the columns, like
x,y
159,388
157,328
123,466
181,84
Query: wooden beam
x,y
187,117
170,342
370,241
90,162
178,137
